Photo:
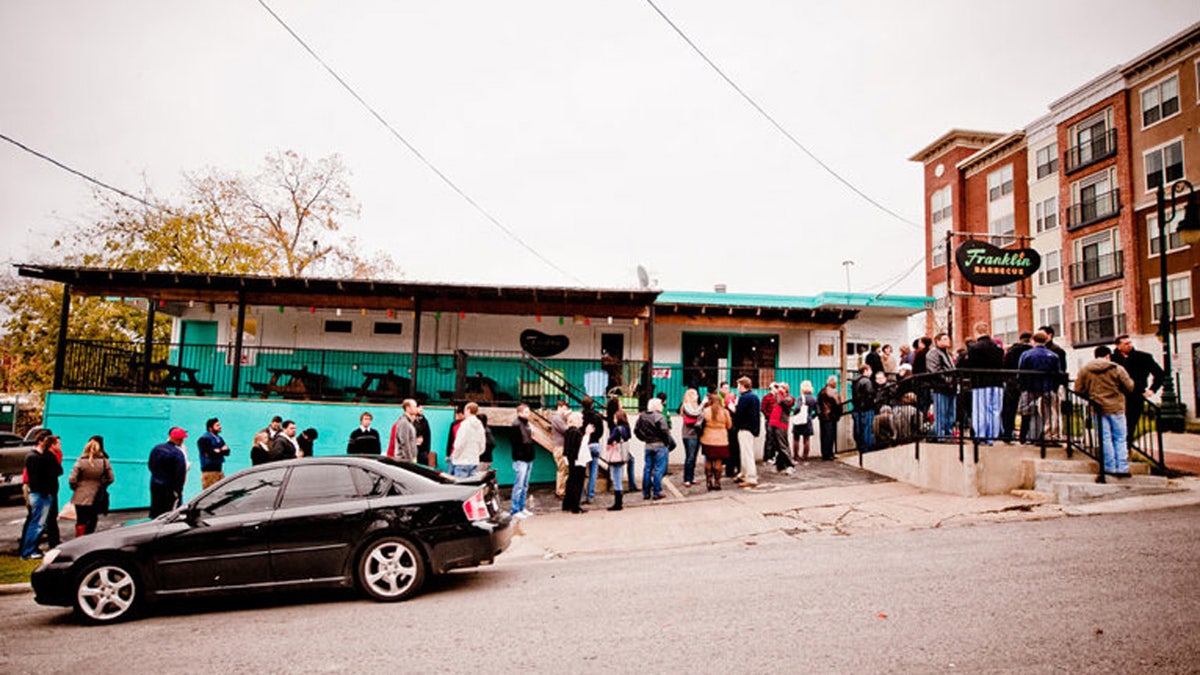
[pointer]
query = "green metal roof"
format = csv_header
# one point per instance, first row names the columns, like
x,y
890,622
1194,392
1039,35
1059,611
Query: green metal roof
x,y
830,300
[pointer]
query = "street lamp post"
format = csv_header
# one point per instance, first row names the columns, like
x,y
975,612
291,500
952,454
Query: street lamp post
x,y
1172,412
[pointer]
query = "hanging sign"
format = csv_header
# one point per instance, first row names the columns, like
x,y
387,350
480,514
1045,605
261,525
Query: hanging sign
x,y
538,344
984,264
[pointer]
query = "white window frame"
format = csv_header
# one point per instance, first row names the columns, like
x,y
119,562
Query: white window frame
x,y
1113,297
937,257
1157,88
1173,286
1003,230
1007,328
1043,212
1044,318
1161,151
941,207
1174,238
1051,272
1000,183
1051,163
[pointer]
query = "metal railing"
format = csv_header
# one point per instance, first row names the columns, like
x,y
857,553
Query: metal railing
x,y
1093,210
1098,268
978,407
1089,152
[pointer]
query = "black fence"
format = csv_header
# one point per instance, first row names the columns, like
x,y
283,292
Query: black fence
x,y
984,407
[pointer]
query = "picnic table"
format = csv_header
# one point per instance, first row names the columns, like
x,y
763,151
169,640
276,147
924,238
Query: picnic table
x,y
383,387
302,384
167,376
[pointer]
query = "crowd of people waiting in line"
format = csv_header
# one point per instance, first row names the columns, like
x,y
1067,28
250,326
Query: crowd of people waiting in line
x,y
1024,381
722,428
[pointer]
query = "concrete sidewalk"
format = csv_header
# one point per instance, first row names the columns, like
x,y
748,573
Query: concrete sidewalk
x,y
797,510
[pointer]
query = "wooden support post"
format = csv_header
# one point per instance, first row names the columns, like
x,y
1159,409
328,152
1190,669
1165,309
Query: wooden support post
x,y
60,350
237,346
147,347
416,348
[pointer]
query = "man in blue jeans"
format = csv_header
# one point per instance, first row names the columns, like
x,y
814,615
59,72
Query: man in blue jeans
x,y
652,430
1106,384
938,360
592,418
863,391
523,454
43,470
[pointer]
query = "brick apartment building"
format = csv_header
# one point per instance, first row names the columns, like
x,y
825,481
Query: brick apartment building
x,y
1079,186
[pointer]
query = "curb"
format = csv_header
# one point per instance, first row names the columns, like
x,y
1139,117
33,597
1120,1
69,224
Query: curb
x,y
15,589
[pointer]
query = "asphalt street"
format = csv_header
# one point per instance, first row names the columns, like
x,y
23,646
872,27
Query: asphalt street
x,y
1111,593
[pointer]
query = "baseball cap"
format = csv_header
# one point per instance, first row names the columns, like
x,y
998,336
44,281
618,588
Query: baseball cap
x,y
177,434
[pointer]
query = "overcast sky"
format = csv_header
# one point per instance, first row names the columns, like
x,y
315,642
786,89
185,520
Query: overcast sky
x,y
588,128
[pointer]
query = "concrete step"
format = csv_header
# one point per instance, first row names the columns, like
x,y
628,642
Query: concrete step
x,y
1049,482
1115,488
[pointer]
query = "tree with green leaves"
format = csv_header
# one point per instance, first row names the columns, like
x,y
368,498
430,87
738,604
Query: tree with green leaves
x,y
285,220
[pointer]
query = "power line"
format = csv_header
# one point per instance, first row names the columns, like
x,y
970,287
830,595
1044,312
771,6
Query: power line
x,y
411,148
901,277
81,174
777,125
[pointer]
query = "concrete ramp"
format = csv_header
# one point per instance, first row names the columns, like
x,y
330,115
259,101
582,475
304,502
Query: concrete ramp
x,y
1006,467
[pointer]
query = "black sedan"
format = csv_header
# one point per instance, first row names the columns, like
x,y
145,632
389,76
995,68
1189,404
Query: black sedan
x,y
308,523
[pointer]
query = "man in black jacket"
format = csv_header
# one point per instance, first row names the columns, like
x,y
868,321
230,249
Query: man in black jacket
x,y
523,454
1147,378
863,396
1012,389
987,394
43,470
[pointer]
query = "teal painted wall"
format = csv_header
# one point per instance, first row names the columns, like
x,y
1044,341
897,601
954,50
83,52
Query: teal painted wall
x,y
132,424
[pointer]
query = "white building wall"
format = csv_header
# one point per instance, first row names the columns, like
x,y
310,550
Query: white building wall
x,y
1041,134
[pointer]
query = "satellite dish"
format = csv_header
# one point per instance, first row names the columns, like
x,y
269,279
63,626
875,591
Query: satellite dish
x,y
643,277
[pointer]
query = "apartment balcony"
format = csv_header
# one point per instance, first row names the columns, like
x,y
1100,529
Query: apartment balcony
x,y
1097,331
1102,206
1097,269
1089,152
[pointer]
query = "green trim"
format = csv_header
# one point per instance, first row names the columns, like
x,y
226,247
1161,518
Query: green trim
x,y
850,300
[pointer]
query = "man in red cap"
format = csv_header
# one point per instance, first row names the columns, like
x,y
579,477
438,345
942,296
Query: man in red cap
x,y
168,470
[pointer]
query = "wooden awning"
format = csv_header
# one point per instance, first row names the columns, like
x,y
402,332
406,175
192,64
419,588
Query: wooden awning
x,y
168,288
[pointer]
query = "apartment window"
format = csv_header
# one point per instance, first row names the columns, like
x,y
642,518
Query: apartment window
x,y
1047,160
1164,164
1000,183
1051,272
1092,140
1174,238
1160,101
939,255
1100,318
1003,230
940,208
1096,258
1179,294
1005,329
1051,316
1095,199
1004,291
1046,215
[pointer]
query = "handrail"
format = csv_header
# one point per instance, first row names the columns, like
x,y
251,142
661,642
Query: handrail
x,y
982,406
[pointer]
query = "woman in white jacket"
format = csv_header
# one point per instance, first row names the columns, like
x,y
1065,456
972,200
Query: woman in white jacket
x,y
469,443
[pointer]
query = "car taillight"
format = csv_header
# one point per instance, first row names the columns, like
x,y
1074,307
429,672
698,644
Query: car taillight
x,y
476,507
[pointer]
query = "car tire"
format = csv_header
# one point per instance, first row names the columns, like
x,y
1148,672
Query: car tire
x,y
107,591
391,569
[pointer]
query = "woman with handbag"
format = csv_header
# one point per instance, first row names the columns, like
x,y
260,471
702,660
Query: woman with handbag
x,y
714,440
802,417
690,413
89,481
616,454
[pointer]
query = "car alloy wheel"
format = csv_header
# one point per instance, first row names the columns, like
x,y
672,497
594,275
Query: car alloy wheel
x,y
106,592
391,569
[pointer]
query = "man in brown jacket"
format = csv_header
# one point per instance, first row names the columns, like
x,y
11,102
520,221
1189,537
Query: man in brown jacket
x,y
1107,384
